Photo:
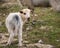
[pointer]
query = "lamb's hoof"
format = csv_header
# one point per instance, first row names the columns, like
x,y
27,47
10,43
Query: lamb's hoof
x,y
20,46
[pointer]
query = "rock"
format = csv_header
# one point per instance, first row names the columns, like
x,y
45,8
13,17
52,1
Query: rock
x,y
3,41
57,40
40,41
35,15
25,42
30,46
43,45
55,5
35,3
2,38
27,28
31,3
38,45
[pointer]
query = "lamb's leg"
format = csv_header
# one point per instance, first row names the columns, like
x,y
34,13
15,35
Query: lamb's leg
x,y
10,37
20,36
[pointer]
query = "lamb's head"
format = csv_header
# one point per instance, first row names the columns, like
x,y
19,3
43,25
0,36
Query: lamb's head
x,y
25,14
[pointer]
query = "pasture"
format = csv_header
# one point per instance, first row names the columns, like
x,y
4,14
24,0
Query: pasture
x,y
45,27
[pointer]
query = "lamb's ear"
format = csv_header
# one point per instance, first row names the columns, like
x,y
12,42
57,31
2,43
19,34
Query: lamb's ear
x,y
21,12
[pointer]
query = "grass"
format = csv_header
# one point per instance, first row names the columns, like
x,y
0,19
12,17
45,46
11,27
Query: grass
x,y
46,17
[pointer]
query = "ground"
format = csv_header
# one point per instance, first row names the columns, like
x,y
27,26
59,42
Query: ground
x,y
45,27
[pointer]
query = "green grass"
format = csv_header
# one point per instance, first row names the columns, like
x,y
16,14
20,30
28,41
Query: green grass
x,y
46,17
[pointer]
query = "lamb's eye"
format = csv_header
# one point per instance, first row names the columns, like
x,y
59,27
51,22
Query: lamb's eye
x,y
21,12
24,13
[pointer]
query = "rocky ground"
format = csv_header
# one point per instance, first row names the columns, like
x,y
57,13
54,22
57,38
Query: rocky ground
x,y
43,30
4,38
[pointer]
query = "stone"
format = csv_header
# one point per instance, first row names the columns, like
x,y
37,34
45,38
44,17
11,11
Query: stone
x,y
43,45
40,41
55,5
25,42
